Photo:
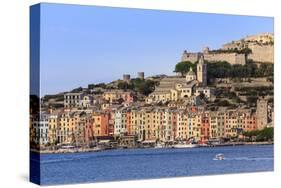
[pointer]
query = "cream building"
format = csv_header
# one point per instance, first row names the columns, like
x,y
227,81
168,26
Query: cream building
x,y
175,88
182,131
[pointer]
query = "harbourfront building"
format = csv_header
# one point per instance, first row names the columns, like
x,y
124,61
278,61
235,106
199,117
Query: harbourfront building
x,y
39,124
149,124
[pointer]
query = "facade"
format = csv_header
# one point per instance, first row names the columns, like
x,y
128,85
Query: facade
x,y
182,128
73,99
120,122
86,101
117,95
175,88
205,127
54,124
149,124
101,124
40,128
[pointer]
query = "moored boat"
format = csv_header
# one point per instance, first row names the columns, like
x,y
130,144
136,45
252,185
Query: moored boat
x,y
186,146
159,146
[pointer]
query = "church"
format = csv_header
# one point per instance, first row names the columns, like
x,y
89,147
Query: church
x,y
179,88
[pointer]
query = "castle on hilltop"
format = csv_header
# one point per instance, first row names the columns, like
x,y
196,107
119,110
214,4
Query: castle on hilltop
x,y
261,46
232,58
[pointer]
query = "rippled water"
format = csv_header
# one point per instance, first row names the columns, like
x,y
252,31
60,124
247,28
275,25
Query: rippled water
x,y
129,164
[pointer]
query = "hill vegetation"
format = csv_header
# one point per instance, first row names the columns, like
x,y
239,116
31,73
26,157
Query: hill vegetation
x,y
141,86
223,69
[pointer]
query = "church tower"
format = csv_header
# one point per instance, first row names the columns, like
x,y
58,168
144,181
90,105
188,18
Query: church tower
x,y
202,72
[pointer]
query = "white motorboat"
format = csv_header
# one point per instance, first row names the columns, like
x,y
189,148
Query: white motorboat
x,y
219,156
186,146
158,146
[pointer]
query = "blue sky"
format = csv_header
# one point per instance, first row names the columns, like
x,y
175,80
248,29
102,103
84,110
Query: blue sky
x,y
87,44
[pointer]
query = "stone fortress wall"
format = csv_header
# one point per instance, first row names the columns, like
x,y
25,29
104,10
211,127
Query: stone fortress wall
x,y
192,57
261,45
263,53
232,58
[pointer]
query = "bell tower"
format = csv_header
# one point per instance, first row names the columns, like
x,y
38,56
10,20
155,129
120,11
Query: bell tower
x,y
202,71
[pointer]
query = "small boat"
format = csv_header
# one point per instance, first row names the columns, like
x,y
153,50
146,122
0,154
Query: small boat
x,y
158,146
179,146
219,156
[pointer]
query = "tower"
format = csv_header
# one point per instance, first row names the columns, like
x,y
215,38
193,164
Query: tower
x,y
126,77
141,75
261,113
202,72
184,56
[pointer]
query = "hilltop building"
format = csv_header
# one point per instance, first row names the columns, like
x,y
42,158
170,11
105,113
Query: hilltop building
x,y
174,88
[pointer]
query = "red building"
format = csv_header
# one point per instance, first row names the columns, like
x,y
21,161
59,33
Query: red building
x,y
249,122
100,125
129,127
205,128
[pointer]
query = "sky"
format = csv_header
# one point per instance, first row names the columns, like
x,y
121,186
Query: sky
x,y
80,45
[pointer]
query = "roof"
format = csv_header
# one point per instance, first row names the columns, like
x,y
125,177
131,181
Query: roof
x,y
190,72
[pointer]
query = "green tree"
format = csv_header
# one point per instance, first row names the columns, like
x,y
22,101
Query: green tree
x,y
183,67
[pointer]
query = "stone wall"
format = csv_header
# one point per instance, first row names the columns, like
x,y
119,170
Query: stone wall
x,y
264,53
232,58
192,57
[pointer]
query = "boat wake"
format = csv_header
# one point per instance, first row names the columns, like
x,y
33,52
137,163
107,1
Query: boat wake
x,y
247,159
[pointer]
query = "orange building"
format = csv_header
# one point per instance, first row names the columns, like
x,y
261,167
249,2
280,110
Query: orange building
x,y
249,122
100,124
129,128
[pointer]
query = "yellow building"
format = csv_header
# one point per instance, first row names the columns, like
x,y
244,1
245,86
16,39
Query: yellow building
x,y
182,130
96,128
54,124
231,124
213,119
196,126
173,88
148,128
